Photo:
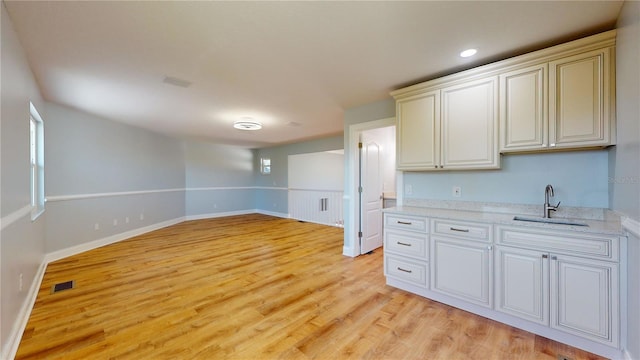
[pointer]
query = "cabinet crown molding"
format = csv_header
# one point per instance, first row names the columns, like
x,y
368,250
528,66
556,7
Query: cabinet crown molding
x,y
598,41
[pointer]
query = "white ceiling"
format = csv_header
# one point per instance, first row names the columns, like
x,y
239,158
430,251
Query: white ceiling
x,y
294,66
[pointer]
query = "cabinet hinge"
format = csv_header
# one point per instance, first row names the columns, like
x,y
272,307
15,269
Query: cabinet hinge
x,y
359,145
359,234
359,189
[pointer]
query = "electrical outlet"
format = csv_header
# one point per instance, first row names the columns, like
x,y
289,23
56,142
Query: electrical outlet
x,y
456,191
215,206
141,216
115,222
408,189
96,226
126,220
20,282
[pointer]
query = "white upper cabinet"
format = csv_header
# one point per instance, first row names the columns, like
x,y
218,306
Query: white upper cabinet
x,y
579,100
523,109
470,125
559,98
448,128
566,103
418,131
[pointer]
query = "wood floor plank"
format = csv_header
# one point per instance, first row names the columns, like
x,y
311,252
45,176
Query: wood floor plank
x,y
252,287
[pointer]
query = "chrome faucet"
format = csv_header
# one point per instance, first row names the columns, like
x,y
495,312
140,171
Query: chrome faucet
x,y
548,191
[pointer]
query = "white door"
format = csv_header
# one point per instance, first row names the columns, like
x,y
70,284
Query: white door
x,y
371,182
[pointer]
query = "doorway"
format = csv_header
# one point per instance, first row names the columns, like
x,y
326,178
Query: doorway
x,y
376,183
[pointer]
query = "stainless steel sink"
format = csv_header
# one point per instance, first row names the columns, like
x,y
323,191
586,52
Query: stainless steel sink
x,y
550,221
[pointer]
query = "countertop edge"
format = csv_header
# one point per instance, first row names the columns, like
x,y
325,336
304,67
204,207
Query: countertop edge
x,y
610,226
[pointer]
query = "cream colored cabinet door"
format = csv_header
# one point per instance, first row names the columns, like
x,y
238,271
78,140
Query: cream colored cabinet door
x,y
418,131
462,269
582,298
523,109
580,98
470,125
522,283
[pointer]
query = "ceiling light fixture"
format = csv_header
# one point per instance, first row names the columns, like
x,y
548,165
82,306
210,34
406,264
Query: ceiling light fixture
x,y
468,52
247,124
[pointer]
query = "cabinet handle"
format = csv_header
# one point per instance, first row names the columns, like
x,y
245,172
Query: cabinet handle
x,y
436,166
489,247
456,229
401,243
545,256
403,222
554,258
404,270
441,166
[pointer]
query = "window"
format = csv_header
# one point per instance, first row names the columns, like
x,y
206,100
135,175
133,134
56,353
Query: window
x,y
265,166
36,150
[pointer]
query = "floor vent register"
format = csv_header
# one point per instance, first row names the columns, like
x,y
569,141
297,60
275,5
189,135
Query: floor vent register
x,y
63,286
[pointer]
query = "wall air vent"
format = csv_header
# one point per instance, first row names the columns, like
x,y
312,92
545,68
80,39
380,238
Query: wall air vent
x,y
176,81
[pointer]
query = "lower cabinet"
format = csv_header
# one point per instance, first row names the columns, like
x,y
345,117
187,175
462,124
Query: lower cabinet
x,y
522,283
572,294
411,271
584,298
565,284
462,269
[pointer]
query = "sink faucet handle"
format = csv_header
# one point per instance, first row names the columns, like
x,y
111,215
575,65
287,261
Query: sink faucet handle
x,y
554,208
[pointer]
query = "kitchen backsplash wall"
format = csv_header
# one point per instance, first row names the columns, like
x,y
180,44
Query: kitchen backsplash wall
x,y
579,179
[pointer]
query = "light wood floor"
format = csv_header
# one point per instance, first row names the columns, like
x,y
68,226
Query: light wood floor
x,y
252,287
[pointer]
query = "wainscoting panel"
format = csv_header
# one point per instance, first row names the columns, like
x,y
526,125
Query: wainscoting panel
x,y
317,206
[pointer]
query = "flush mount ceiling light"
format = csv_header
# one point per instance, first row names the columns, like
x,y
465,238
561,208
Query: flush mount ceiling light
x,y
468,53
247,124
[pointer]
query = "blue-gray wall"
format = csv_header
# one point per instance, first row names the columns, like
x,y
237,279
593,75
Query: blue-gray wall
x,y
22,245
624,159
579,179
102,172
219,179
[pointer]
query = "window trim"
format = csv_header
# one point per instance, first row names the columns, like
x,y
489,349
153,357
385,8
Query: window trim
x,y
36,162
265,166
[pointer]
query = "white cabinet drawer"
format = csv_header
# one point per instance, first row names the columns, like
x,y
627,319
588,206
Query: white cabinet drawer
x,y
462,229
406,243
393,221
409,271
570,243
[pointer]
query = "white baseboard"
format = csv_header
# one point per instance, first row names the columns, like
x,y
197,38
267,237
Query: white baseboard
x,y
349,251
273,213
70,251
11,348
626,355
217,215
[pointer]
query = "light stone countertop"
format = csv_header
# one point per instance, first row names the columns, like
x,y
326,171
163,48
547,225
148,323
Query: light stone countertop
x,y
601,221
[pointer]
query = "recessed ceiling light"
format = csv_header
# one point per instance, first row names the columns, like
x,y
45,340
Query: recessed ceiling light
x,y
247,124
468,52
